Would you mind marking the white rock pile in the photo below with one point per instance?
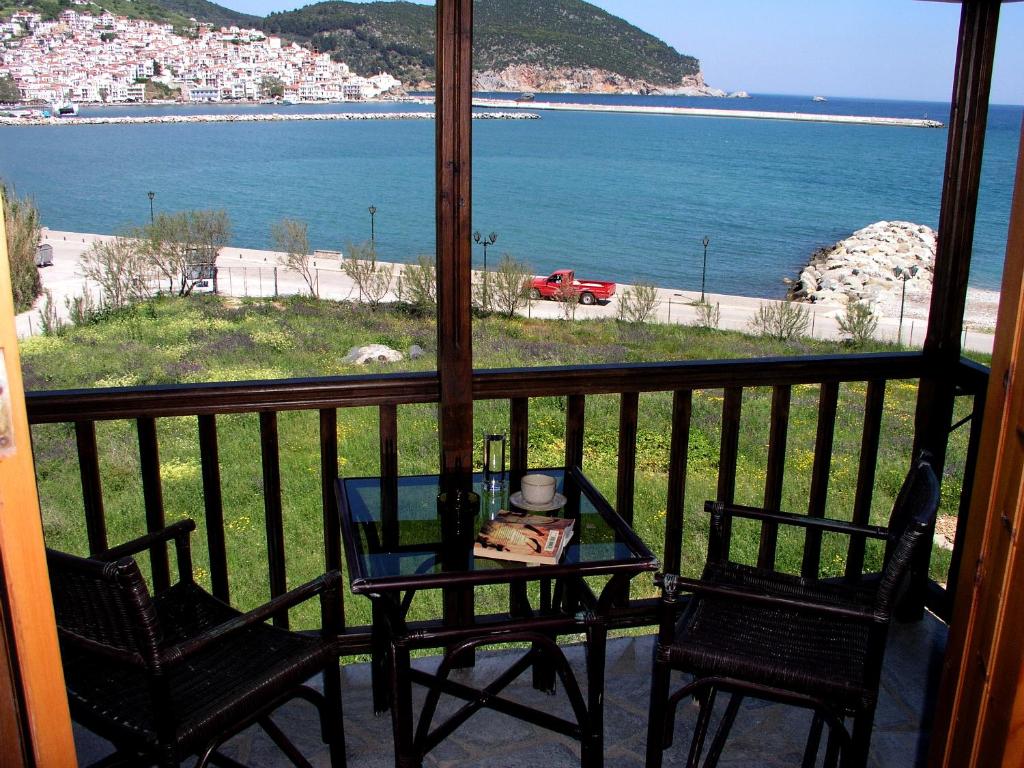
(870, 266)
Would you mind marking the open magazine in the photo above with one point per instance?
(525, 538)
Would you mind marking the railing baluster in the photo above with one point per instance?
(153, 498)
(874, 402)
(626, 482)
(732, 406)
(269, 447)
(328, 475)
(678, 455)
(388, 428)
(92, 489)
(575, 418)
(213, 503)
(775, 472)
(827, 404)
(388, 417)
(519, 435)
(945, 609)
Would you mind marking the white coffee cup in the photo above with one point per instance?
(538, 489)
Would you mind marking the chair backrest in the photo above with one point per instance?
(104, 607)
(910, 522)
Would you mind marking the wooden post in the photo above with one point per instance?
(35, 727)
(453, 107)
(453, 104)
(967, 122)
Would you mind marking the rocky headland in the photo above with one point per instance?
(526, 77)
(871, 266)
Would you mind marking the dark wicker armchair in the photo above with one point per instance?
(180, 672)
(817, 644)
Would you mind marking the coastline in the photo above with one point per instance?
(254, 272)
(255, 117)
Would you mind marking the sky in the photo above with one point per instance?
(892, 49)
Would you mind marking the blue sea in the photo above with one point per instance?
(617, 196)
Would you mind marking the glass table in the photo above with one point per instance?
(396, 544)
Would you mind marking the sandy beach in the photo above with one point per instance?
(250, 272)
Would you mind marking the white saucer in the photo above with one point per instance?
(556, 503)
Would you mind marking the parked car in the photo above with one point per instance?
(563, 284)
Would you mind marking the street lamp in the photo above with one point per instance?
(704, 271)
(903, 298)
(373, 237)
(485, 242)
(151, 195)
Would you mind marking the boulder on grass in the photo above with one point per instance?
(372, 353)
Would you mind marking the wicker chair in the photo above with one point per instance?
(810, 643)
(180, 672)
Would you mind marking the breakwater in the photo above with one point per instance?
(253, 118)
(803, 117)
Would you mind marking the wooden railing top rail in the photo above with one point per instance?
(422, 387)
(693, 374)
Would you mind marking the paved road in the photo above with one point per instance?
(249, 272)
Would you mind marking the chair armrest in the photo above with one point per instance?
(179, 531)
(672, 585)
(323, 585)
(720, 510)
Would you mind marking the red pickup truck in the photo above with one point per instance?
(563, 284)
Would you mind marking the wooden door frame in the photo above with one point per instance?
(34, 719)
(979, 719)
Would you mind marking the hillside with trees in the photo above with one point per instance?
(398, 37)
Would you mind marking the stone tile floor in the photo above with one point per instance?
(765, 734)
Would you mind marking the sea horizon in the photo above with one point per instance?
(616, 196)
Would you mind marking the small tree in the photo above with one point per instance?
(372, 281)
(271, 87)
(510, 289)
(292, 237)
(378, 284)
(22, 222)
(782, 320)
(419, 283)
(568, 299)
(9, 93)
(182, 246)
(859, 323)
(118, 267)
(637, 304)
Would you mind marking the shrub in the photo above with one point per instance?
(782, 320)
(859, 323)
(377, 285)
(360, 265)
(82, 310)
(638, 303)
(511, 285)
(22, 222)
(419, 283)
(49, 318)
(482, 295)
(708, 315)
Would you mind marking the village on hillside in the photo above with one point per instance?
(111, 59)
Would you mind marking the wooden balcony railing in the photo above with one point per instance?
(390, 393)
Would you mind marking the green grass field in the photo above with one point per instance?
(213, 339)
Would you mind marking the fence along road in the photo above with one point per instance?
(250, 272)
